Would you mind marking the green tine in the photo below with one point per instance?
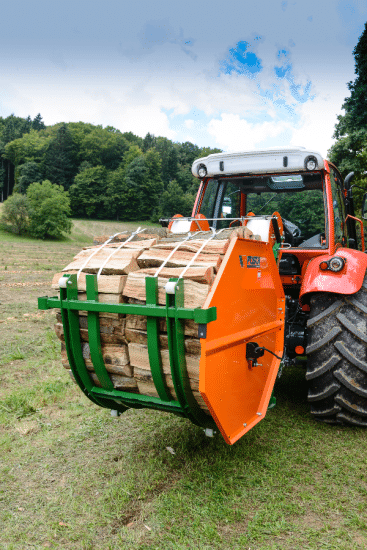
(151, 286)
(70, 319)
(178, 366)
(95, 336)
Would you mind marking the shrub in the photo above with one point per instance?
(15, 214)
(49, 210)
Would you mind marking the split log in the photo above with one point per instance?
(195, 294)
(139, 358)
(198, 274)
(192, 345)
(104, 299)
(121, 263)
(112, 331)
(211, 247)
(136, 245)
(107, 284)
(122, 383)
(156, 256)
(116, 359)
(153, 233)
(146, 386)
(139, 322)
(243, 233)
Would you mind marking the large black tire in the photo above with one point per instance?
(337, 357)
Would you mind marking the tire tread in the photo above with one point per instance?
(337, 358)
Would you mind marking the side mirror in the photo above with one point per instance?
(364, 207)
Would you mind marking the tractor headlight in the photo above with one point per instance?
(310, 163)
(336, 263)
(202, 171)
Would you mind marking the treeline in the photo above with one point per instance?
(349, 152)
(109, 174)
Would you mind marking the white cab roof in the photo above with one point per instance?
(285, 159)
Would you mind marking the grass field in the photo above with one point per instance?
(72, 477)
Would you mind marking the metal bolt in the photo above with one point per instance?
(70, 283)
(258, 414)
(245, 425)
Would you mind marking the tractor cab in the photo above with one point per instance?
(307, 196)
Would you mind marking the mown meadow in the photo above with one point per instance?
(73, 477)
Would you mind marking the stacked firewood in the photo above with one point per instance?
(122, 272)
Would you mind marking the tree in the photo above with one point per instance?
(88, 192)
(349, 152)
(15, 214)
(356, 105)
(12, 128)
(149, 142)
(175, 201)
(153, 185)
(132, 139)
(116, 200)
(185, 178)
(169, 158)
(37, 123)
(132, 152)
(29, 172)
(61, 158)
(188, 152)
(49, 210)
(135, 182)
(104, 147)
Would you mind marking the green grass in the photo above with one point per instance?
(72, 477)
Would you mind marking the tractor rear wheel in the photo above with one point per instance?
(337, 357)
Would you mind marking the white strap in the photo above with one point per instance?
(171, 254)
(199, 251)
(96, 250)
(139, 230)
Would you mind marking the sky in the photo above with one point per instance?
(238, 76)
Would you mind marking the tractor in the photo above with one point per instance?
(291, 289)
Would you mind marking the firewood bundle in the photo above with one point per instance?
(123, 268)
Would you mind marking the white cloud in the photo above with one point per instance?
(233, 133)
(189, 123)
(318, 119)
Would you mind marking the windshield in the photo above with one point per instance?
(298, 199)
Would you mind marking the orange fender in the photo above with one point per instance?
(347, 281)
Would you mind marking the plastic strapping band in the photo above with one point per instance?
(171, 254)
(139, 230)
(97, 250)
(215, 233)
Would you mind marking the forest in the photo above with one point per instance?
(108, 174)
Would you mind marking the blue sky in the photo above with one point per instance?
(239, 77)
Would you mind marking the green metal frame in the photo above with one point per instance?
(175, 314)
